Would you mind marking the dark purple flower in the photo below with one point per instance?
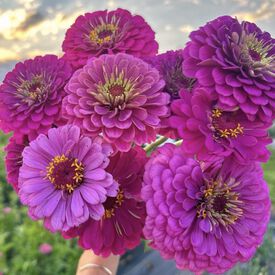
(169, 65)
(237, 60)
(63, 179)
(118, 95)
(205, 220)
(31, 95)
(104, 32)
(123, 221)
(208, 130)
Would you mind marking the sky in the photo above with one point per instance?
(37, 27)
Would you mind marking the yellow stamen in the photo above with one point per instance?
(95, 33)
(216, 113)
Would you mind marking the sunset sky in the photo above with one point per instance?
(36, 27)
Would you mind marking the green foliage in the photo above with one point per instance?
(269, 174)
(20, 238)
(272, 131)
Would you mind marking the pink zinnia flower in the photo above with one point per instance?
(63, 179)
(104, 32)
(118, 95)
(13, 160)
(169, 65)
(208, 130)
(238, 60)
(204, 220)
(31, 95)
(7, 210)
(45, 248)
(121, 226)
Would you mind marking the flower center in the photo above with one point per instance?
(220, 203)
(103, 33)
(65, 173)
(111, 203)
(224, 124)
(256, 56)
(116, 90)
(32, 90)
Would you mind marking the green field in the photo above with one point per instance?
(20, 238)
(269, 174)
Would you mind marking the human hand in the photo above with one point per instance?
(91, 264)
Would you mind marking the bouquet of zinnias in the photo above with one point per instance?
(84, 154)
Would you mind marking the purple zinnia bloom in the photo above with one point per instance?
(104, 32)
(63, 179)
(45, 249)
(238, 61)
(118, 95)
(206, 129)
(123, 221)
(31, 95)
(169, 65)
(205, 220)
(13, 160)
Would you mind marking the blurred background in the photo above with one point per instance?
(37, 27)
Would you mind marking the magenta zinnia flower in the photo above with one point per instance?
(118, 95)
(121, 227)
(169, 65)
(205, 220)
(63, 179)
(208, 130)
(31, 95)
(104, 32)
(238, 60)
(13, 160)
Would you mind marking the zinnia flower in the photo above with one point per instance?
(118, 95)
(63, 179)
(13, 160)
(169, 65)
(104, 32)
(45, 249)
(31, 95)
(123, 221)
(205, 220)
(238, 60)
(208, 130)
(7, 210)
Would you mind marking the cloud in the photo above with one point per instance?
(31, 20)
(186, 29)
(264, 12)
(10, 21)
(242, 3)
(28, 4)
(7, 55)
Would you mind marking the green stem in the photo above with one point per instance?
(155, 144)
(178, 143)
